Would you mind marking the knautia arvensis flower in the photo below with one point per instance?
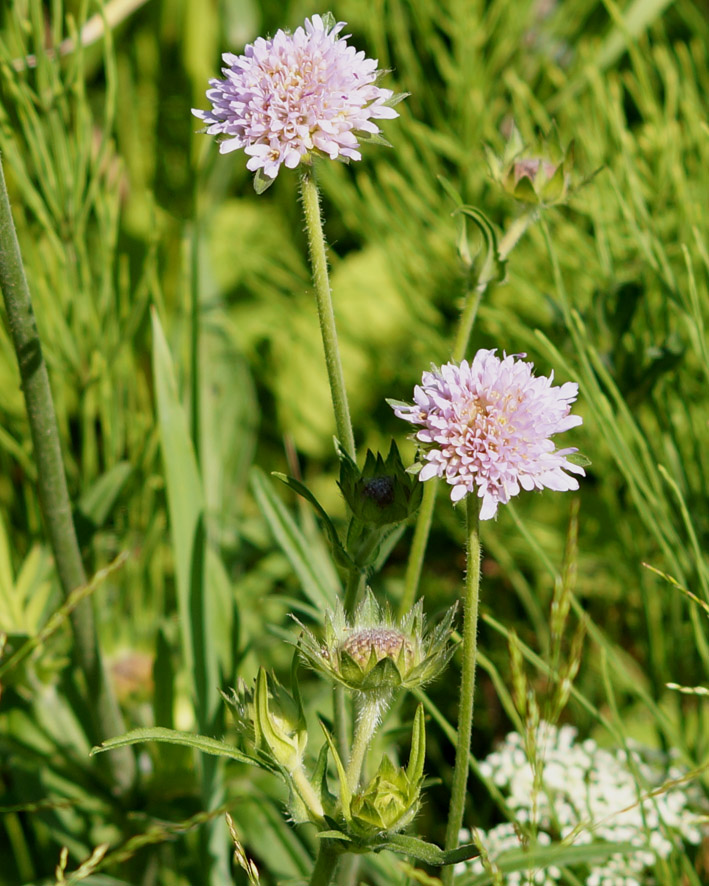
(373, 653)
(296, 95)
(487, 428)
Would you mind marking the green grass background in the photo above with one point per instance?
(173, 425)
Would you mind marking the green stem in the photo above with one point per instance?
(414, 565)
(467, 686)
(466, 323)
(323, 295)
(368, 717)
(515, 231)
(355, 583)
(325, 865)
(341, 720)
(52, 488)
(306, 791)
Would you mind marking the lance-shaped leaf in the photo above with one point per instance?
(417, 756)
(345, 792)
(171, 736)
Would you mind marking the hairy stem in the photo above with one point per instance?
(467, 686)
(323, 295)
(368, 717)
(52, 489)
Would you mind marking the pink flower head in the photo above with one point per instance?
(488, 424)
(296, 94)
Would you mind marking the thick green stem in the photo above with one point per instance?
(318, 259)
(52, 488)
(467, 686)
(325, 865)
(368, 717)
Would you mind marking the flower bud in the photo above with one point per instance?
(373, 653)
(539, 174)
(391, 799)
(271, 721)
(382, 492)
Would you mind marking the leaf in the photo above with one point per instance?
(417, 756)
(185, 500)
(171, 736)
(429, 853)
(332, 535)
(333, 835)
(493, 269)
(97, 502)
(345, 792)
(291, 541)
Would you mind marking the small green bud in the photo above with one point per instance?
(539, 174)
(372, 652)
(390, 801)
(271, 721)
(387, 804)
(381, 493)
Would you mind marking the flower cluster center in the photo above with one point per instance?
(386, 643)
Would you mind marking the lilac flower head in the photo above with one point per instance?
(294, 95)
(488, 424)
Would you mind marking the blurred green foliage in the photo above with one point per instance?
(121, 207)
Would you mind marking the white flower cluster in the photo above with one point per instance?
(601, 792)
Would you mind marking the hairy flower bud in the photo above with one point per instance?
(373, 653)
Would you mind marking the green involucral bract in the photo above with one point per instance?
(374, 653)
